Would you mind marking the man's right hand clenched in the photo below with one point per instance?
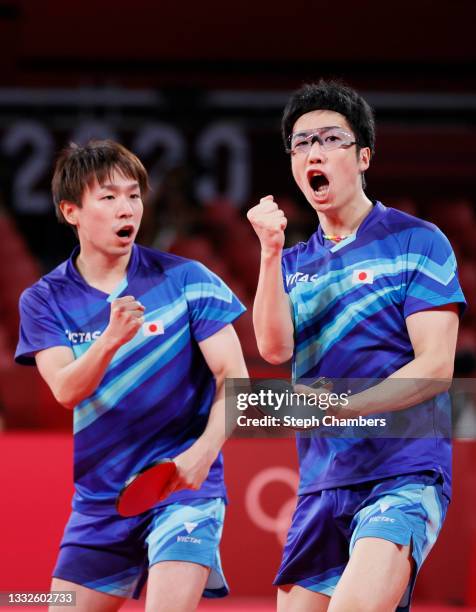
(269, 223)
(125, 321)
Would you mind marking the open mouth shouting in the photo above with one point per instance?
(319, 184)
(125, 233)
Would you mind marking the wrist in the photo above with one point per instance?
(271, 253)
(208, 448)
(108, 342)
(353, 408)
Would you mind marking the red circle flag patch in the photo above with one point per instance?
(153, 328)
(362, 277)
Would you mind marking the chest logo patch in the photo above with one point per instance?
(362, 277)
(153, 328)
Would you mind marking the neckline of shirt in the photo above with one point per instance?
(76, 275)
(374, 216)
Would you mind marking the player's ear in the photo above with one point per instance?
(364, 159)
(69, 211)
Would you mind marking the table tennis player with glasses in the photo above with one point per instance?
(372, 294)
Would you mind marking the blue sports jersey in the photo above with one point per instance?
(349, 303)
(155, 398)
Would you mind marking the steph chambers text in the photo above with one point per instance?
(309, 422)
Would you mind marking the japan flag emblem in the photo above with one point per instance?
(362, 277)
(153, 328)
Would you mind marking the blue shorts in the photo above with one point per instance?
(325, 526)
(112, 554)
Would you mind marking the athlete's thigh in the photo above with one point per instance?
(104, 553)
(317, 544)
(188, 533)
(392, 533)
(175, 585)
(87, 600)
(294, 598)
(375, 578)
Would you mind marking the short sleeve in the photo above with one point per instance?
(39, 328)
(431, 274)
(285, 274)
(211, 303)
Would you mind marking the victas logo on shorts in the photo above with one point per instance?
(189, 527)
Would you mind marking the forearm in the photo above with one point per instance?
(79, 379)
(214, 435)
(212, 439)
(419, 380)
(272, 320)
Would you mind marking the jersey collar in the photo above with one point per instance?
(74, 274)
(374, 216)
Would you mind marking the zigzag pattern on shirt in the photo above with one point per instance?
(108, 396)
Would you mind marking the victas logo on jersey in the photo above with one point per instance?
(300, 277)
(80, 337)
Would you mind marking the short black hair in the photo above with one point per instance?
(77, 166)
(334, 96)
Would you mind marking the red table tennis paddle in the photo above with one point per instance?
(145, 488)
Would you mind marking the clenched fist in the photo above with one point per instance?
(269, 223)
(125, 320)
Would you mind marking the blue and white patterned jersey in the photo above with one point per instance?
(155, 397)
(349, 303)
